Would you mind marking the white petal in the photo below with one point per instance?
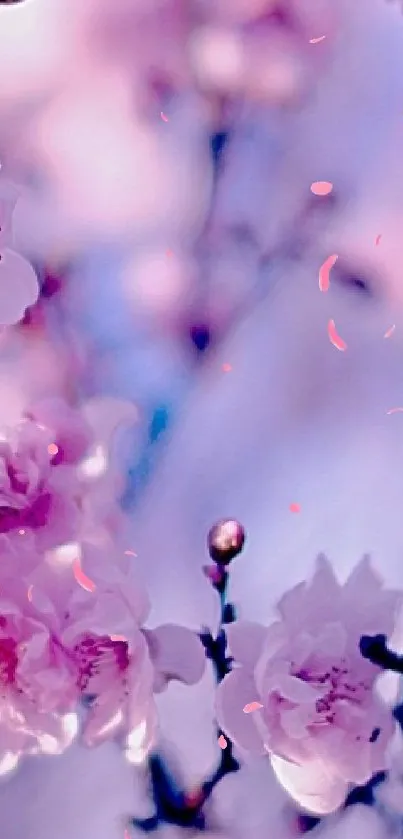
(295, 721)
(310, 785)
(177, 653)
(291, 606)
(332, 641)
(237, 690)
(245, 641)
(18, 287)
(363, 580)
(292, 688)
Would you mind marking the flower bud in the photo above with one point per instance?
(225, 541)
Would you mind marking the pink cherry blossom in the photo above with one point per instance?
(321, 722)
(118, 663)
(36, 495)
(37, 682)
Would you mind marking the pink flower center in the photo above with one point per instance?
(342, 686)
(8, 660)
(100, 658)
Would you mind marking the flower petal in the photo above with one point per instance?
(310, 785)
(292, 688)
(290, 605)
(234, 692)
(177, 653)
(323, 595)
(103, 721)
(245, 641)
(363, 581)
(19, 287)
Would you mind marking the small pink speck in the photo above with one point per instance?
(395, 411)
(226, 368)
(252, 706)
(317, 40)
(378, 238)
(130, 553)
(165, 118)
(30, 593)
(21, 532)
(390, 331)
(295, 508)
(321, 187)
(169, 252)
(53, 449)
(222, 742)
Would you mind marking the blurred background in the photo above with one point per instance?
(158, 169)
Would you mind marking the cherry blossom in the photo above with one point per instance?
(37, 682)
(99, 617)
(36, 495)
(322, 723)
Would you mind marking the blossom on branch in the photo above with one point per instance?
(321, 721)
(99, 619)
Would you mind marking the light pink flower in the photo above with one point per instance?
(98, 614)
(37, 496)
(321, 722)
(37, 681)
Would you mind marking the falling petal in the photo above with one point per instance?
(395, 411)
(81, 578)
(295, 508)
(165, 118)
(226, 368)
(317, 40)
(335, 338)
(252, 706)
(30, 593)
(321, 187)
(324, 272)
(390, 331)
(130, 553)
(378, 238)
(222, 742)
(53, 449)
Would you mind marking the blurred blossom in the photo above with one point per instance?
(159, 283)
(32, 49)
(18, 287)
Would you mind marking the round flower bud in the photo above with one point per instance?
(225, 541)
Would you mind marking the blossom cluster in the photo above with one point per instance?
(75, 651)
(72, 614)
